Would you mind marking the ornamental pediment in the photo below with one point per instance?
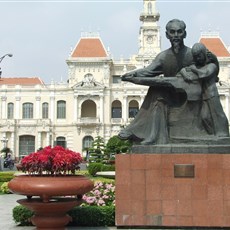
(88, 82)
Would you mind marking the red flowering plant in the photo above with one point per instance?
(51, 161)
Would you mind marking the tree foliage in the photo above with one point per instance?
(5, 151)
(116, 145)
(97, 151)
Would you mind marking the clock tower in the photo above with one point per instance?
(149, 34)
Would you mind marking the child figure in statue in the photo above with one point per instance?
(206, 70)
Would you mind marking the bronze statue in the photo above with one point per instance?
(172, 107)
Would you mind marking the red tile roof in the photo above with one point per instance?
(88, 48)
(21, 81)
(215, 45)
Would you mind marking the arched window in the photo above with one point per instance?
(61, 141)
(27, 110)
(87, 142)
(116, 109)
(61, 109)
(45, 110)
(10, 111)
(26, 145)
(133, 108)
(88, 109)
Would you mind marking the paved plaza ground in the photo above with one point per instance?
(9, 201)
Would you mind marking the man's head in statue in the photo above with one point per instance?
(199, 53)
(176, 32)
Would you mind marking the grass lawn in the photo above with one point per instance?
(95, 178)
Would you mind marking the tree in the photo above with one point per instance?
(116, 145)
(97, 151)
(6, 150)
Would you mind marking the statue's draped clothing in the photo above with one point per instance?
(151, 123)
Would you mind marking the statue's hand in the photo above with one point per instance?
(185, 74)
(194, 69)
(128, 76)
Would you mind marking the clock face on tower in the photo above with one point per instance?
(150, 39)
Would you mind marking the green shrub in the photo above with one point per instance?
(90, 216)
(108, 215)
(4, 188)
(93, 168)
(93, 216)
(107, 168)
(6, 176)
(22, 215)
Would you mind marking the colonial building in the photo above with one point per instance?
(94, 101)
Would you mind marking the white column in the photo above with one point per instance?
(12, 145)
(37, 108)
(39, 141)
(48, 139)
(101, 109)
(17, 111)
(52, 108)
(79, 110)
(75, 108)
(4, 140)
(4, 107)
(142, 100)
(125, 109)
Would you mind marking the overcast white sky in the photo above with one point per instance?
(40, 34)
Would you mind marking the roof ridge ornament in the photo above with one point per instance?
(90, 34)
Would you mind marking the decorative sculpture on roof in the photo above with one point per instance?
(88, 81)
(183, 104)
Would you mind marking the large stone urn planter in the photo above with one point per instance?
(50, 197)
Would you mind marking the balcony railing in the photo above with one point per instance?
(33, 122)
(89, 120)
(116, 120)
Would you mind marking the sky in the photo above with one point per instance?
(41, 34)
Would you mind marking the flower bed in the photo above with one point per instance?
(103, 194)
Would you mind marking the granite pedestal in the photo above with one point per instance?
(173, 186)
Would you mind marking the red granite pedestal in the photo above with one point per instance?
(149, 191)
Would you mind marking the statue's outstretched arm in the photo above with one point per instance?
(152, 70)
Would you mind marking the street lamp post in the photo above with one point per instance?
(1, 58)
(4, 140)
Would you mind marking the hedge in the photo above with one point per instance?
(95, 167)
(6, 176)
(90, 216)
